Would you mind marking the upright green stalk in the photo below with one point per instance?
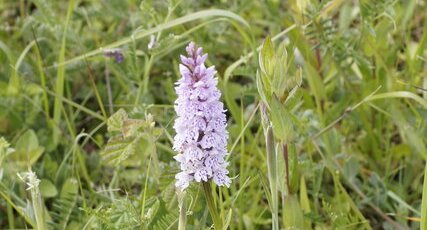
(60, 79)
(272, 176)
(31, 180)
(10, 217)
(182, 210)
(423, 224)
(211, 205)
(38, 208)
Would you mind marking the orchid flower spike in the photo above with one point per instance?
(201, 135)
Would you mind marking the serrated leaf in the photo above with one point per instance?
(167, 221)
(115, 122)
(119, 149)
(64, 206)
(151, 211)
(130, 127)
(131, 133)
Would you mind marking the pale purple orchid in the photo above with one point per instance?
(201, 135)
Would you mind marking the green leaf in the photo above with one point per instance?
(64, 206)
(47, 188)
(119, 149)
(266, 57)
(292, 213)
(423, 224)
(282, 121)
(115, 122)
(4, 149)
(167, 25)
(70, 187)
(133, 134)
(228, 219)
(315, 83)
(281, 74)
(27, 148)
(131, 126)
(261, 88)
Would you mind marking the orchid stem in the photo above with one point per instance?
(211, 205)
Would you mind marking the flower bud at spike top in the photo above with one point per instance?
(201, 135)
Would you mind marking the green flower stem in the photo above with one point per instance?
(182, 210)
(211, 205)
(38, 209)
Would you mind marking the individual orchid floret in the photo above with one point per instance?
(201, 135)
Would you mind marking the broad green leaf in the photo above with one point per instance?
(292, 213)
(266, 57)
(281, 73)
(70, 187)
(47, 188)
(28, 149)
(282, 121)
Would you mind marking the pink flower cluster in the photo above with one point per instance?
(201, 135)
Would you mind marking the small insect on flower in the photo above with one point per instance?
(117, 54)
(201, 135)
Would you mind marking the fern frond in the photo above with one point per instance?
(65, 206)
(168, 221)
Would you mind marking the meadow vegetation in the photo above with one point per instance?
(326, 113)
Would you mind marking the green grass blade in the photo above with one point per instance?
(59, 86)
(423, 224)
(141, 34)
